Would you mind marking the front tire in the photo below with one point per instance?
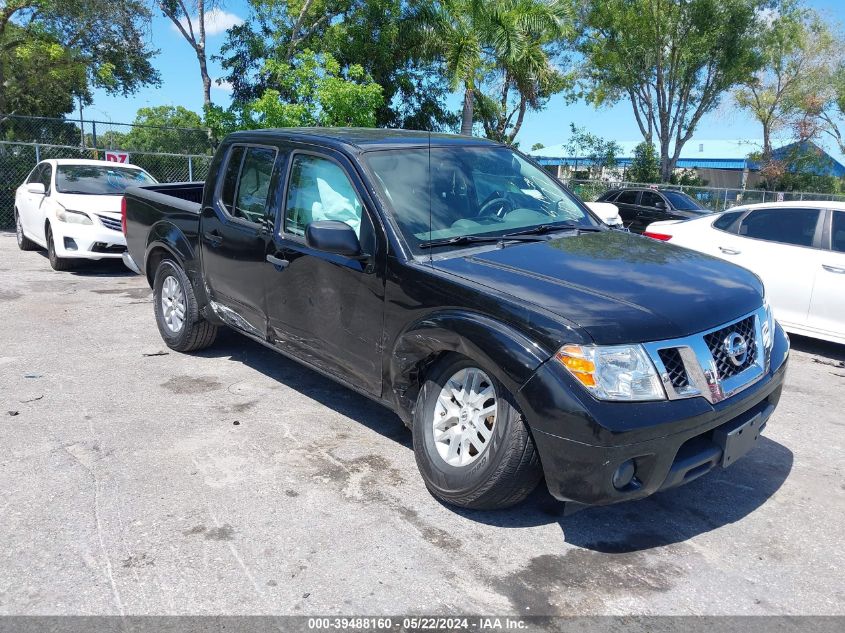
(471, 443)
(177, 313)
(24, 243)
(56, 262)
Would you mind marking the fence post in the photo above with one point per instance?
(725, 206)
(94, 133)
(37, 153)
(190, 169)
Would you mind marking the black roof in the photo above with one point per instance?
(362, 138)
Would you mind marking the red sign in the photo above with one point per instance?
(116, 156)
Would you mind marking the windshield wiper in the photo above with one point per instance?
(473, 239)
(542, 229)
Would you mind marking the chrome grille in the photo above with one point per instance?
(708, 364)
(725, 367)
(671, 358)
(110, 223)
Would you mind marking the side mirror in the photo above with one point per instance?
(660, 204)
(36, 188)
(333, 236)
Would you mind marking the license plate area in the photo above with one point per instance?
(738, 438)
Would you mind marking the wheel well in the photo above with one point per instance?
(153, 260)
(417, 376)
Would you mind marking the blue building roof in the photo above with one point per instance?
(700, 153)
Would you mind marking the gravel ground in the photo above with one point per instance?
(140, 481)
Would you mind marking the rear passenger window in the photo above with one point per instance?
(837, 232)
(726, 220)
(651, 199)
(319, 189)
(785, 226)
(627, 197)
(246, 182)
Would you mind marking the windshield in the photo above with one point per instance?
(99, 180)
(683, 202)
(448, 192)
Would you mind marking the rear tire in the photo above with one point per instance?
(494, 463)
(24, 243)
(57, 263)
(177, 313)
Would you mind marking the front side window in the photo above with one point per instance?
(46, 176)
(447, 192)
(682, 202)
(837, 232)
(246, 182)
(785, 226)
(319, 189)
(97, 180)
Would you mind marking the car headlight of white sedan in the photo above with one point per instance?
(73, 217)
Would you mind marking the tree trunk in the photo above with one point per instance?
(206, 80)
(466, 121)
(767, 143)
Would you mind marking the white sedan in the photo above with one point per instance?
(796, 248)
(72, 208)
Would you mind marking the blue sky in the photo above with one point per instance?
(181, 85)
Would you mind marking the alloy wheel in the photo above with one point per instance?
(173, 304)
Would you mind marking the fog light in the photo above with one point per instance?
(624, 475)
(70, 244)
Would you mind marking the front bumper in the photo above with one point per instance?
(582, 441)
(87, 241)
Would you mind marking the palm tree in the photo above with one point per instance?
(475, 37)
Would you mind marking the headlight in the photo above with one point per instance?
(618, 372)
(73, 217)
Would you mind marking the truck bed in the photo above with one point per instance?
(156, 209)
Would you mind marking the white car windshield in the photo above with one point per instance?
(99, 180)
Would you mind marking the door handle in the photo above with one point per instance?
(213, 238)
(729, 251)
(834, 269)
(280, 264)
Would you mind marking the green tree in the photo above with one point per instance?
(537, 146)
(506, 41)
(672, 60)
(797, 49)
(373, 34)
(596, 152)
(645, 166)
(53, 51)
(171, 129)
(317, 92)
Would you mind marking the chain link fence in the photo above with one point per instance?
(714, 198)
(169, 154)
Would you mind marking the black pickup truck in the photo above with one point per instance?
(453, 280)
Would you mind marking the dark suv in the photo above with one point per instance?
(639, 207)
(456, 282)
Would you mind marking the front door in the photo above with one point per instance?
(326, 308)
(33, 212)
(235, 229)
(827, 306)
(652, 209)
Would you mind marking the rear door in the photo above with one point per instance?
(326, 308)
(627, 202)
(827, 306)
(652, 209)
(781, 245)
(235, 230)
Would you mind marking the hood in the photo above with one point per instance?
(91, 204)
(620, 288)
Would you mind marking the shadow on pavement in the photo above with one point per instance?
(309, 383)
(95, 268)
(823, 349)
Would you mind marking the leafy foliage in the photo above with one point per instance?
(170, 129)
(313, 90)
(645, 166)
(52, 51)
(672, 60)
(596, 151)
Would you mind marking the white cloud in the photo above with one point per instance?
(217, 21)
(222, 85)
